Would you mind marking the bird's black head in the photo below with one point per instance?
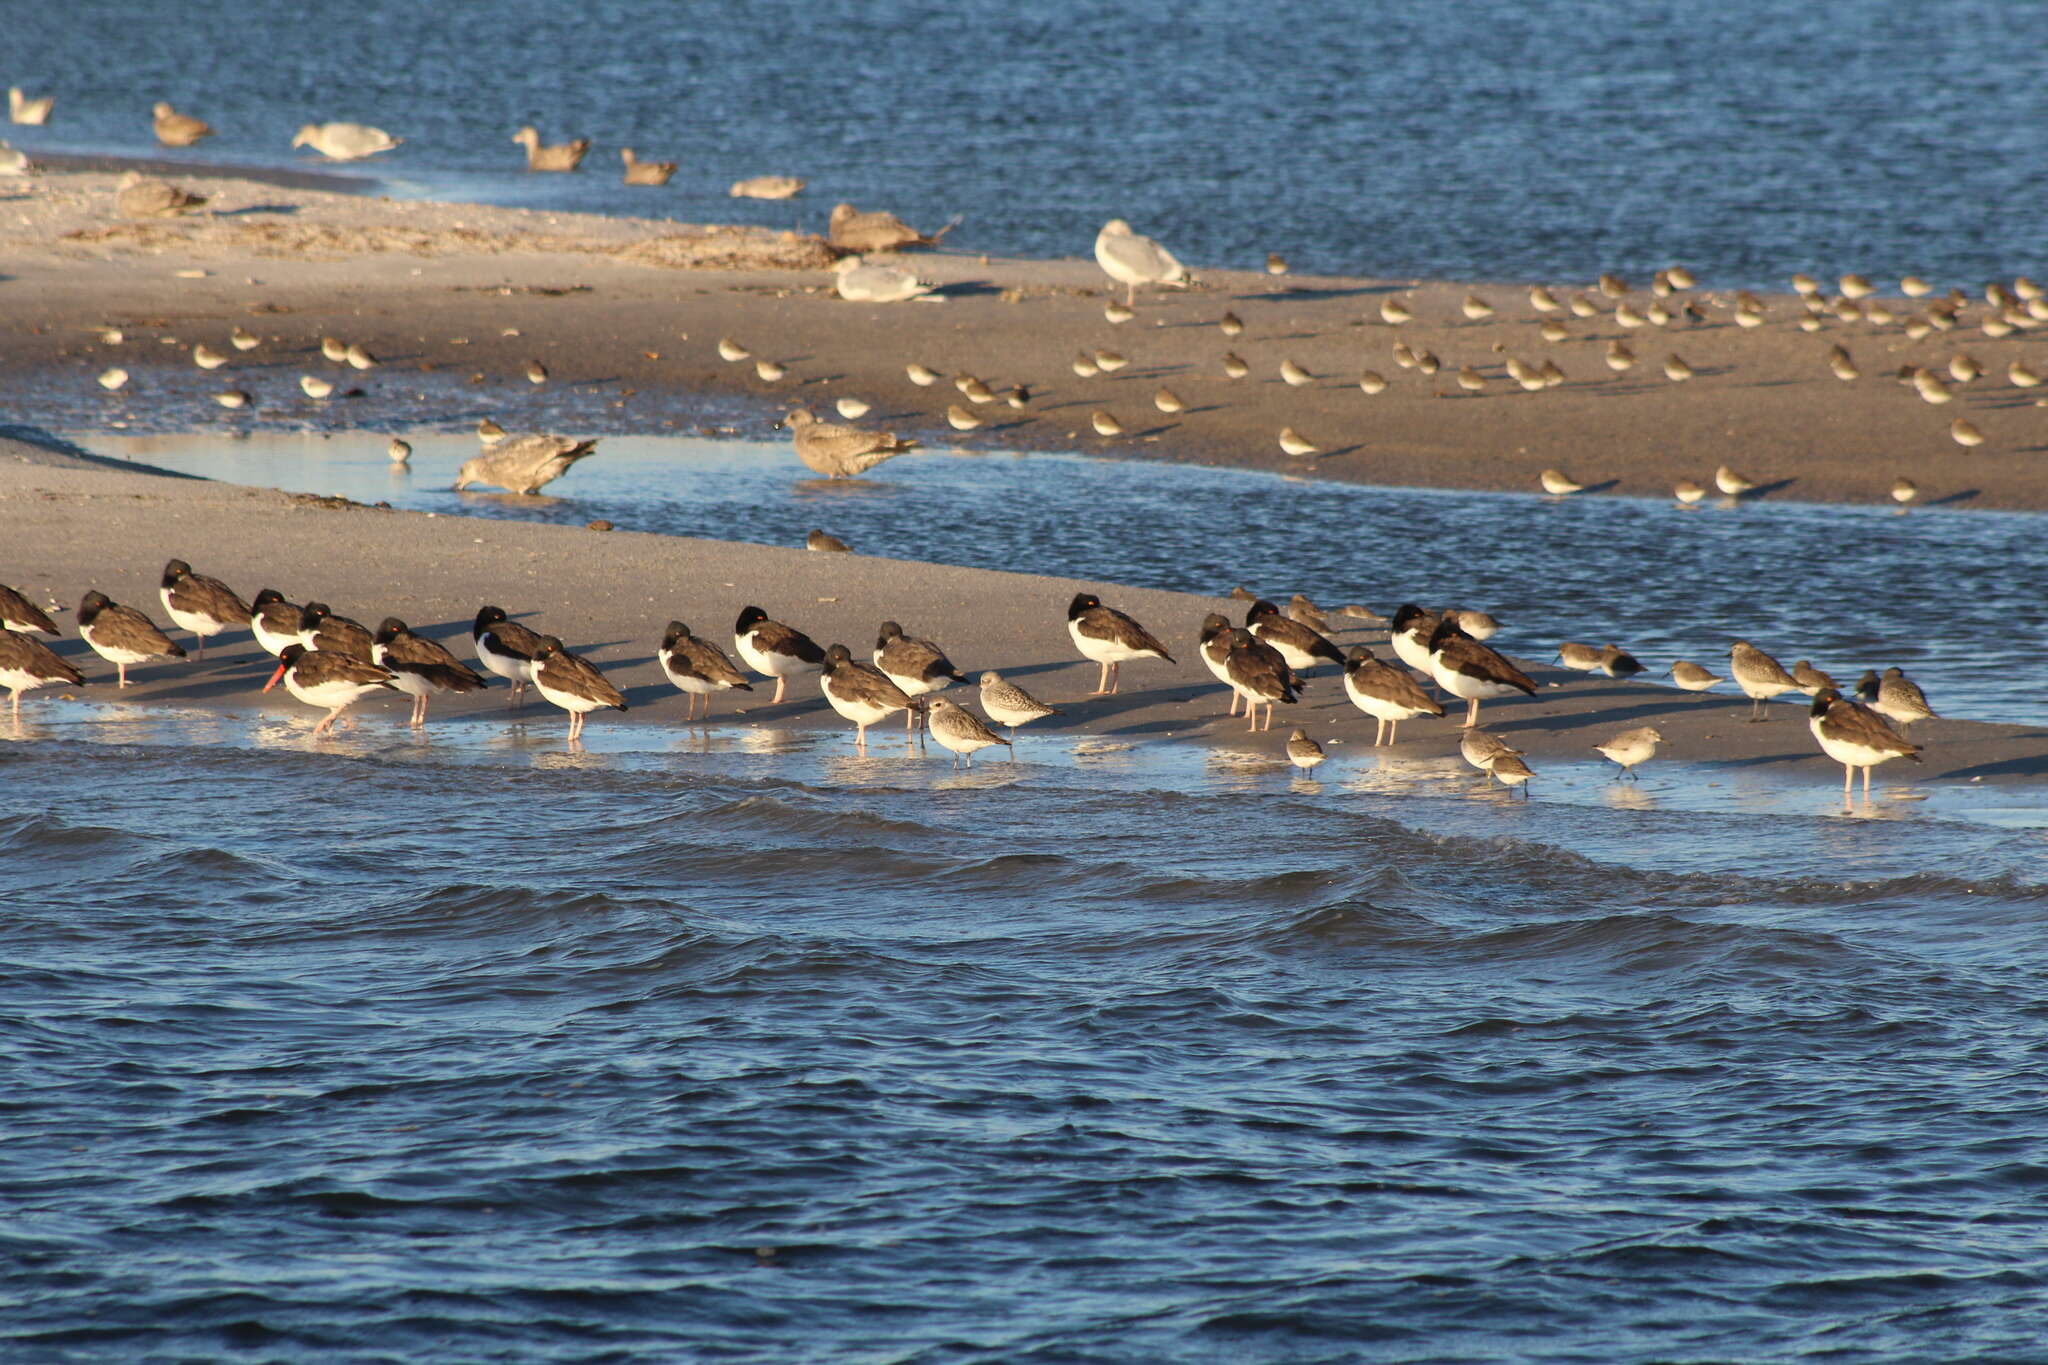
(836, 655)
(175, 570)
(1359, 654)
(889, 631)
(549, 648)
(486, 617)
(677, 632)
(1212, 625)
(1259, 611)
(749, 618)
(1083, 602)
(313, 613)
(266, 597)
(92, 604)
(390, 629)
(1407, 616)
(291, 654)
(1823, 699)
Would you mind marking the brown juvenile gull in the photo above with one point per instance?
(768, 187)
(1132, 259)
(523, 464)
(851, 230)
(841, 452)
(640, 172)
(144, 196)
(561, 156)
(174, 129)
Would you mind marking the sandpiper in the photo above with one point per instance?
(1559, 484)
(1395, 311)
(1167, 401)
(1230, 324)
(1388, 694)
(1543, 301)
(1009, 705)
(314, 386)
(1372, 381)
(1811, 680)
(113, 378)
(1477, 624)
(1692, 677)
(851, 408)
(1482, 748)
(359, 358)
(1105, 423)
(536, 373)
(697, 667)
(773, 649)
(1688, 492)
(205, 606)
(1758, 675)
(1470, 379)
(1234, 366)
(1732, 483)
(1617, 662)
(333, 682)
(1631, 747)
(1293, 442)
(768, 371)
(1619, 357)
(959, 730)
(1675, 368)
(399, 451)
(1843, 364)
(1579, 658)
(1109, 362)
(732, 351)
(960, 419)
(1475, 308)
(820, 542)
(1110, 638)
(1965, 433)
(1299, 608)
(573, 683)
(1855, 737)
(419, 667)
(1303, 752)
(122, 635)
(1895, 697)
(1511, 772)
(1294, 375)
(206, 358)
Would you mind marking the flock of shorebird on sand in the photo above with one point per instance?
(331, 662)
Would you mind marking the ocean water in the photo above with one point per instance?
(748, 1047)
(1939, 591)
(1549, 140)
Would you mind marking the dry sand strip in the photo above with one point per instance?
(635, 308)
(69, 524)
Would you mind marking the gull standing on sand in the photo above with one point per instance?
(333, 682)
(697, 668)
(205, 606)
(775, 650)
(841, 452)
(1758, 675)
(144, 196)
(1009, 705)
(862, 281)
(573, 683)
(1132, 259)
(345, 141)
(506, 648)
(27, 663)
(851, 230)
(524, 464)
(959, 730)
(640, 172)
(1109, 638)
(768, 187)
(122, 635)
(419, 667)
(1631, 747)
(562, 156)
(174, 129)
(1855, 737)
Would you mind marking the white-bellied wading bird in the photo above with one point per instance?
(333, 682)
(697, 667)
(841, 452)
(1758, 675)
(1109, 638)
(774, 650)
(1465, 668)
(1303, 752)
(122, 635)
(1132, 259)
(275, 622)
(205, 606)
(1855, 737)
(27, 663)
(1388, 694)
(345, 141)
(1692, 677)
(1009, 705)
(1895, 697)
(1631, 747)
(506, 648)
(419, 667)
(858, 692)
(917, 666)
(959, 730)
(573, 683)
(19, 614)
(524, 464)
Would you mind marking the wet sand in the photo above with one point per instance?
(632, 309)
(76, 522)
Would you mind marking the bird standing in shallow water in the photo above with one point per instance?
(1854, 737)
(841, 452)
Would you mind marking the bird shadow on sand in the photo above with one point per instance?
(1305, 293)
(1961, 495)
(248, 209)
(1764, 490)
(2035, 765)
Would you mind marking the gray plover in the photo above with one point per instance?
(1303, 752)
(959, 730)
(1811, 680)
(1109, 638)
(1692, 677)
(1631, 747)
(1758, 675)
(1009, 705)
(1855, 737)
(1895, 697)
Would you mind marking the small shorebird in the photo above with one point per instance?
(23, 108)
(841, 452)
(924, 376)
(334, 349)
(1617, 662)
(144, 196)
(1276, 264)
(767, 371)
(1965, 433)
(399, 451)
(1468, 669)
(1477, 624)
(1619, 357)
(861, 281)
(1732, 483)
(206, 358)
(1427, 362)
(1404, 355)
(1109, 362)
(1167, 401)
(1293, 442)
(1476, 309)
(1895, 697)
(1109, 638)
(359, 358)
(1913, 287)
(767, 187)
(1511, 772)
(959, 730)
(1843, 364)
(122, 635)
(1302, 646)
(242, 339)
(506, 648)
(19, 614)
(1234, 366)
(824, 543)
(1675, 368)
(419, 667)
(1084, 365)
(851, 408)
(1372, 381)
(573, 683)
(1855, 737)
(1299, 608)
(859, 693)
(638, 172)
(113, 378)
(1631, 747)
(1543, 301)
(1855, 287)
(1559, 484)
(960, 419)
(333, 682)
(2023, 375)
(1583, 306)
(1230, 324)
(1758, 675)
(1470, 380)
(1525, 374)
(560, 156)
(1303, 752)
(1613, 286)
(1482, 748)
(489, 434)
(733, 352)
(1811, 680)
(1688, 493)
(1964, 368)
(275, 622)
(1931, 387)
(1552, 330)
(1132, 259)
(1629, 317)
(1295, 376)
(914, 665)
(205, 606)
(536, 373)
(1388, 694)
(1394, 312)
(1105, 423)
(774, 650)
(27, 663)
(849, 229)
(524, 464)
(1009, 705)
(345, 141)
(174, 129)
(1116, 312)
(320, 629)
(1694, 678)
(1579, 658)
(314, 386)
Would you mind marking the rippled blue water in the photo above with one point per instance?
(1546, 140)
(1938, 592)
(761, 1050)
